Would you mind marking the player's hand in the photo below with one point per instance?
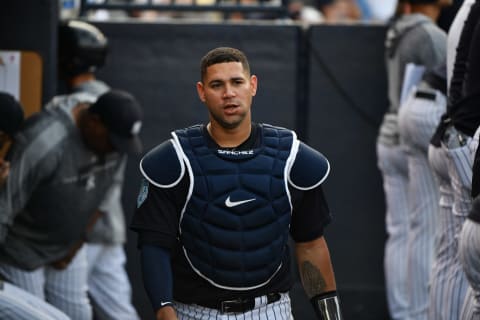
(4, 170)
(93, 219)
(166, 313)
(65, 261)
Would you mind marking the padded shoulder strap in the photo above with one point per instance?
(162, 166)
(309, 170)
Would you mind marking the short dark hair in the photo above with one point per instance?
(221, 55)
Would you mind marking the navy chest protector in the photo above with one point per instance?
(234, 227)
(235, 223)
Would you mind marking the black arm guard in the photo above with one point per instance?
(327, 306)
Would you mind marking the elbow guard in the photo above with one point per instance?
(327, 306)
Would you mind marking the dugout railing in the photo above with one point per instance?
(270, 8)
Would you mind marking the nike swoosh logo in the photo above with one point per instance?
(232, 204)
(164, 303)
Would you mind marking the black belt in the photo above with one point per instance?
(425, 95)
(239, 305)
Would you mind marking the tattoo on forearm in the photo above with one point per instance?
(313, 280)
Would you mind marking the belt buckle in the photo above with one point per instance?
(273, 297)
(454, 138)
(245, 304)
(226, 305)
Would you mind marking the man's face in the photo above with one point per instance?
(4, 165)
(4, 143)
(3, 139)
(227, 91)
(96, 136)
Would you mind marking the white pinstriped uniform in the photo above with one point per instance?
(411, 38)
(392, 162)
(445, 249)
(448, 284)
(111, 291)
(417, 121)
(108, 283)
(278, 310)
(469, 257)
(18, 304)
(47, 282)
(448, 281)
(460, 161)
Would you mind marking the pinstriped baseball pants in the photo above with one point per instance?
(445, 248)
(392, 162)
(108, 283)
(469, 256)
(449, 284)
(18, 304)
(460, 160)
(279, 310)
(443, 305)
(469, 252)
(64, 289)
(417, 121)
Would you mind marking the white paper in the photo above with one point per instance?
(411, 78)
(10, 72)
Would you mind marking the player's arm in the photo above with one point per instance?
(456, 92)
(158, 280)
(316, 274)
(156, 222)
(161, 198)
(4, 170)
(63, 262)
(114, 193)
(310, 216)
(166, 313)
(111, 199)
(110, 208)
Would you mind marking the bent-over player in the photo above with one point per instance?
(16, 303)
(63, 162)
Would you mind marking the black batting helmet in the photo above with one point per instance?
(81, 48)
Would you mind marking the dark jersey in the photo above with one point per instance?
(157, 219)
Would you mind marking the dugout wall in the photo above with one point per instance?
(327, 82)
(347, 100)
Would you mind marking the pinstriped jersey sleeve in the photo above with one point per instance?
(33, 158)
